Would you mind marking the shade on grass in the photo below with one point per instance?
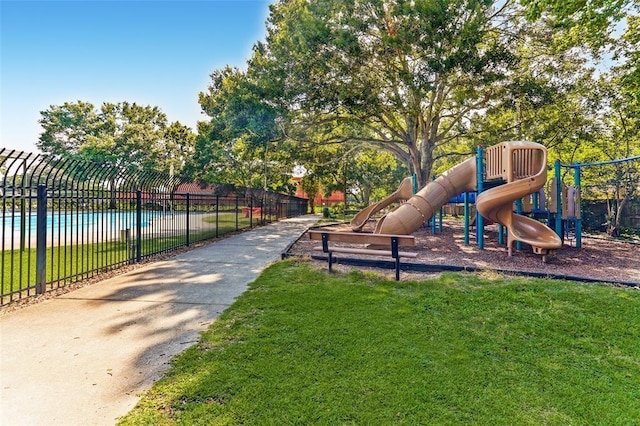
(78, 261)
(304, 347)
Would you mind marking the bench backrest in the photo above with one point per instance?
(361, 238)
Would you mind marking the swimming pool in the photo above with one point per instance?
(77, 219)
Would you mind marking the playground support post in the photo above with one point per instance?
(576, 181)
(466, 218)
(479, 187)
(535, 201)
(519, 210)
(558, 228)
(434, 217)
(433, 220)
(578, 219)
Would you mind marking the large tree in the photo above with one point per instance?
(117, 137)
(621, 118)
(589, 24)
(242, 143)
(123, 135)
(67, 127)
(409, 76)
(408, 72)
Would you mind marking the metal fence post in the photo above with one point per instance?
(41, 240)
(187, 219)
(217, 213)
(251, 212)
(138, 225)
(23, 213)
(236, 212)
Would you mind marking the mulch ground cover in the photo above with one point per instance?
(600, 258)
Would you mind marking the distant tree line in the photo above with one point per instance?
(118, 135)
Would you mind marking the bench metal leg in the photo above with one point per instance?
(397, 268)
(325, 248)
(396, 255)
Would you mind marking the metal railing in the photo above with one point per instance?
(65, 220)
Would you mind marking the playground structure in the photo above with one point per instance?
(512, 171)
(523, 166)
(566, 198)
(404, 192)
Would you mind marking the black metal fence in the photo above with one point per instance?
(65, 220)
(594, 215)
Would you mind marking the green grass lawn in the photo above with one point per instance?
(227, 221)
(18, 268)
(304, 347)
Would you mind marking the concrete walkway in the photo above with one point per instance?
(84, 357)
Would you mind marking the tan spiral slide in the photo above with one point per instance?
(524, 168)
(523, 165)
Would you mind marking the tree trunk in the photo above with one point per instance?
(425, 161)
(113, 205)
(426, 166)
(366, 196)
(615, 228)
(427, 134)
(312, 197)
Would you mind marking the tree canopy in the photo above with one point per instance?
(422, 79)
(242, 144)
(124, 135)
(335, 82)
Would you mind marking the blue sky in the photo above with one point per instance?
(157, 53)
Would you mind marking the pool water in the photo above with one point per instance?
(113, 219)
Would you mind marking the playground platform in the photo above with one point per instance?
(85, 357)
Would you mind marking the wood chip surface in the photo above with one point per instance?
(600, 258)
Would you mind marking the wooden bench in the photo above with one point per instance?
(378, 245)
